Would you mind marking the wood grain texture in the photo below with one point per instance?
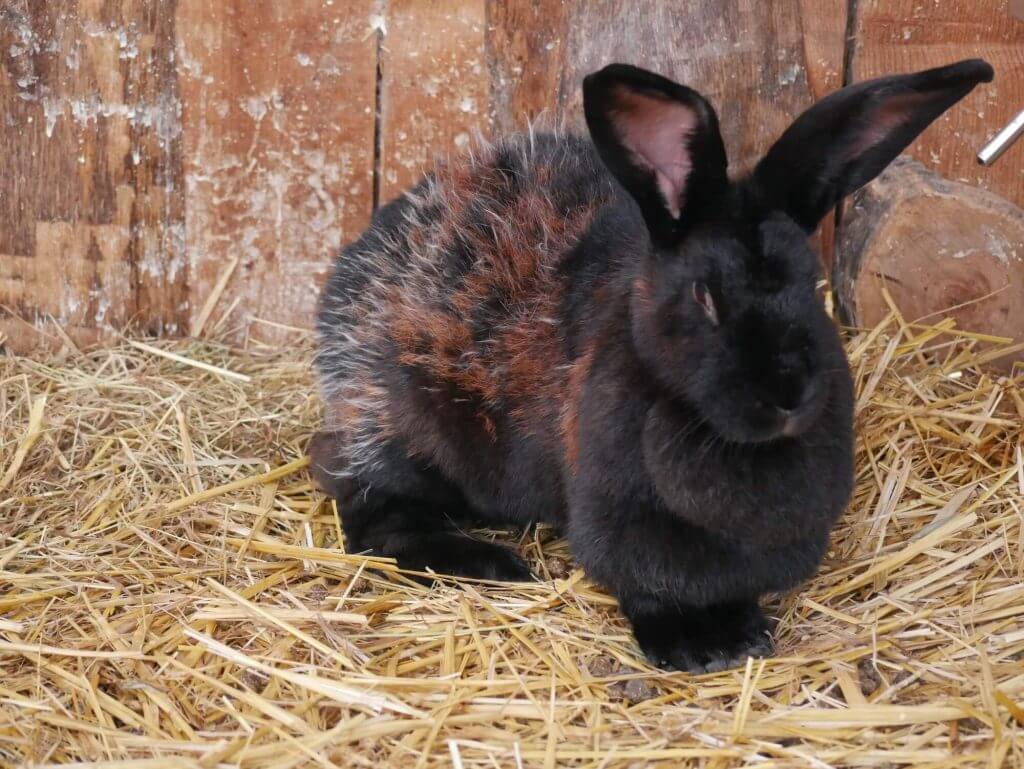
(148, 145)
(91, 214)
(747, 58)
(824, 26)
(526, 47)
(435, 85)
(277, 119)
(906, 35)
(760, 64)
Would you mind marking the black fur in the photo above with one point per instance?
(639, 357)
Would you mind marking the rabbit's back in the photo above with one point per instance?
(443, 326)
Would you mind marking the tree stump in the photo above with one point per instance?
(941, 248)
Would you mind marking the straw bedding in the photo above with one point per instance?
(173, 592)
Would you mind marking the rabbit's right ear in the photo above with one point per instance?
(848, 138)
(661, 141)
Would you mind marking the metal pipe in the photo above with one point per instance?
(1002, 140)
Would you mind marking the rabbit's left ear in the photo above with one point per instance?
(661, 141)
(848, 138)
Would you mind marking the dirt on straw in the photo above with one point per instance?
(174, 592)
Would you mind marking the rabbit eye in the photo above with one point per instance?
(702, 296)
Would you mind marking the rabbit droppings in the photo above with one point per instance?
(611, 336)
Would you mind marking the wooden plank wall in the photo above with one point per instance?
(162, 154)
(900, 35)
(91, 193)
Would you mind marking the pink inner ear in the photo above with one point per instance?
(657, 130)
(887, 118)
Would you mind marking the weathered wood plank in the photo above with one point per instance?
(526, 50)
(278, 120)
(760, 63)
(90, 201)
(824, 35)
(715, 47)
(906, 35)
(264, 113)
(747, 58)
(824, 25)
(435, 85)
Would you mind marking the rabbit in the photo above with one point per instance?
(610, 335)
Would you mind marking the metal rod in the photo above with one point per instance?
(1002, 140)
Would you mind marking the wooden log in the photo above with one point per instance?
(939, 247)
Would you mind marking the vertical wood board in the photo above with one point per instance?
(91, 200)
(277, 118)
(906, 35)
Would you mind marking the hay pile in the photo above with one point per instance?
(173, 593)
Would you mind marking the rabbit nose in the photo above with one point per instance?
(792, 420)
(795, 417)
(791, 425)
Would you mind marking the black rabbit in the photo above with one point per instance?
(612, 336)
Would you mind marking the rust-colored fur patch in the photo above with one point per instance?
(462, 281)
(571, 410)
(511, 292)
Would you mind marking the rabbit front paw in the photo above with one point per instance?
(703, 639)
